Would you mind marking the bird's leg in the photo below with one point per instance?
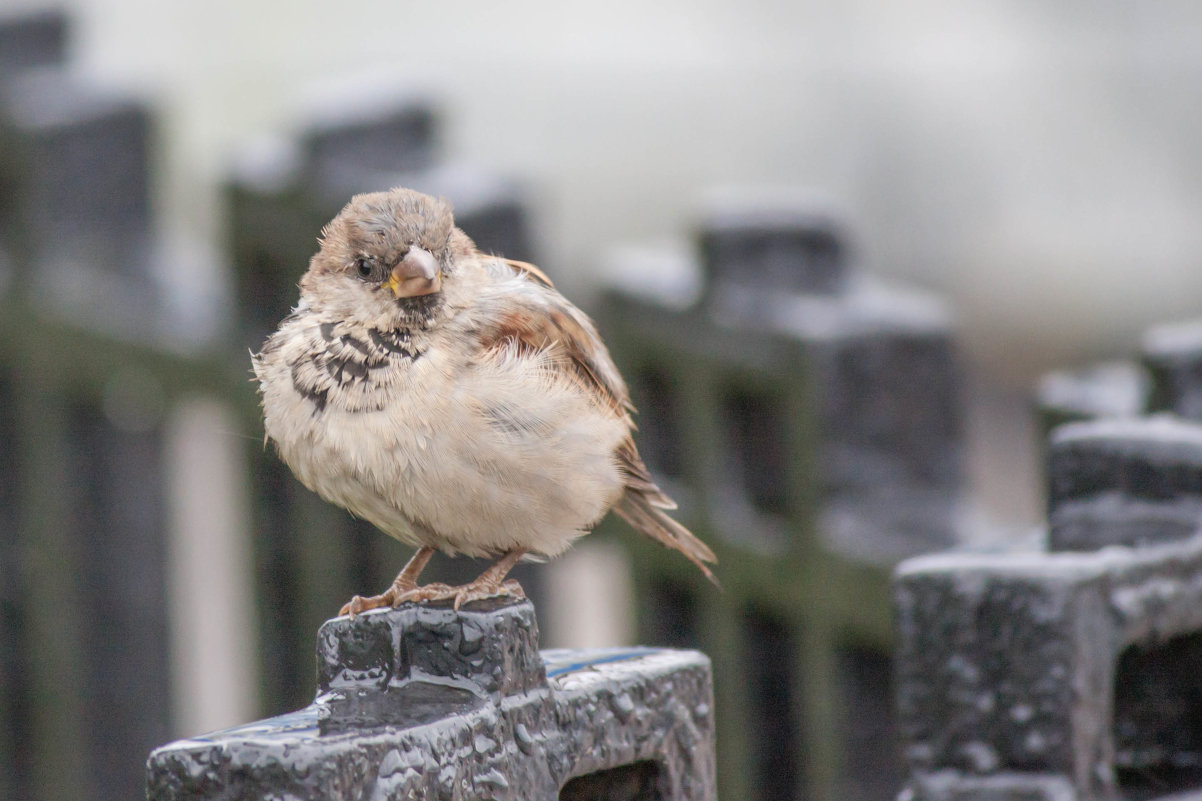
(492, 581)
(489, 584)
(405, 582)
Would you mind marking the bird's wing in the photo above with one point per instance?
(538, 319)
(530, 270)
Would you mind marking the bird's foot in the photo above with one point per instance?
(394, 596)
(477, 590)
(360, 604)
(489, 584)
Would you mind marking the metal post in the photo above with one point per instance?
(425, 702)
(1069, 673)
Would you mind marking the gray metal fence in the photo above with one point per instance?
(426, 702)
(1068, 672)
(86, 382)
(807, 418)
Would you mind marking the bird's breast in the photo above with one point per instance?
(356, 370)
(481, 450)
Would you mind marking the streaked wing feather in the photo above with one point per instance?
(543, 321)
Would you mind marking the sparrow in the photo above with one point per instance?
(454, 399)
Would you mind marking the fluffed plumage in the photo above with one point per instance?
(453, 399)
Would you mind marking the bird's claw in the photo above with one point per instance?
(360, 604)
(490, 584)
(427, 592)
(394, 596)
(472, 592)
(432, 592)
(475, 591)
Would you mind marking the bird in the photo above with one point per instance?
(454, 399)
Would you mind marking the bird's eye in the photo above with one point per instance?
(363, 266)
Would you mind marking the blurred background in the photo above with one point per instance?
(166, 167)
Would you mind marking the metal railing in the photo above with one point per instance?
(1068, 672)
(426, 702)
(806, 417)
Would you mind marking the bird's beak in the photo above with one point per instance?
(416, 274)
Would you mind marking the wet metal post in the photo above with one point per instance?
(1067, 672)
(426, 702)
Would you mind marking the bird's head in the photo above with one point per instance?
(384, 259)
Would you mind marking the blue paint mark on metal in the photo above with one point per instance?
(559, 661)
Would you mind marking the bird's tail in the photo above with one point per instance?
(645, 512)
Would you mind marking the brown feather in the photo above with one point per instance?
(545, 322)
(636, 509)
(638, 477)
(531, 270)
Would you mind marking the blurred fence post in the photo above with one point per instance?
(425, 702)
(30, 40)
(1167, 377)
(1066, 674)
(806, 417)
(89, 372)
